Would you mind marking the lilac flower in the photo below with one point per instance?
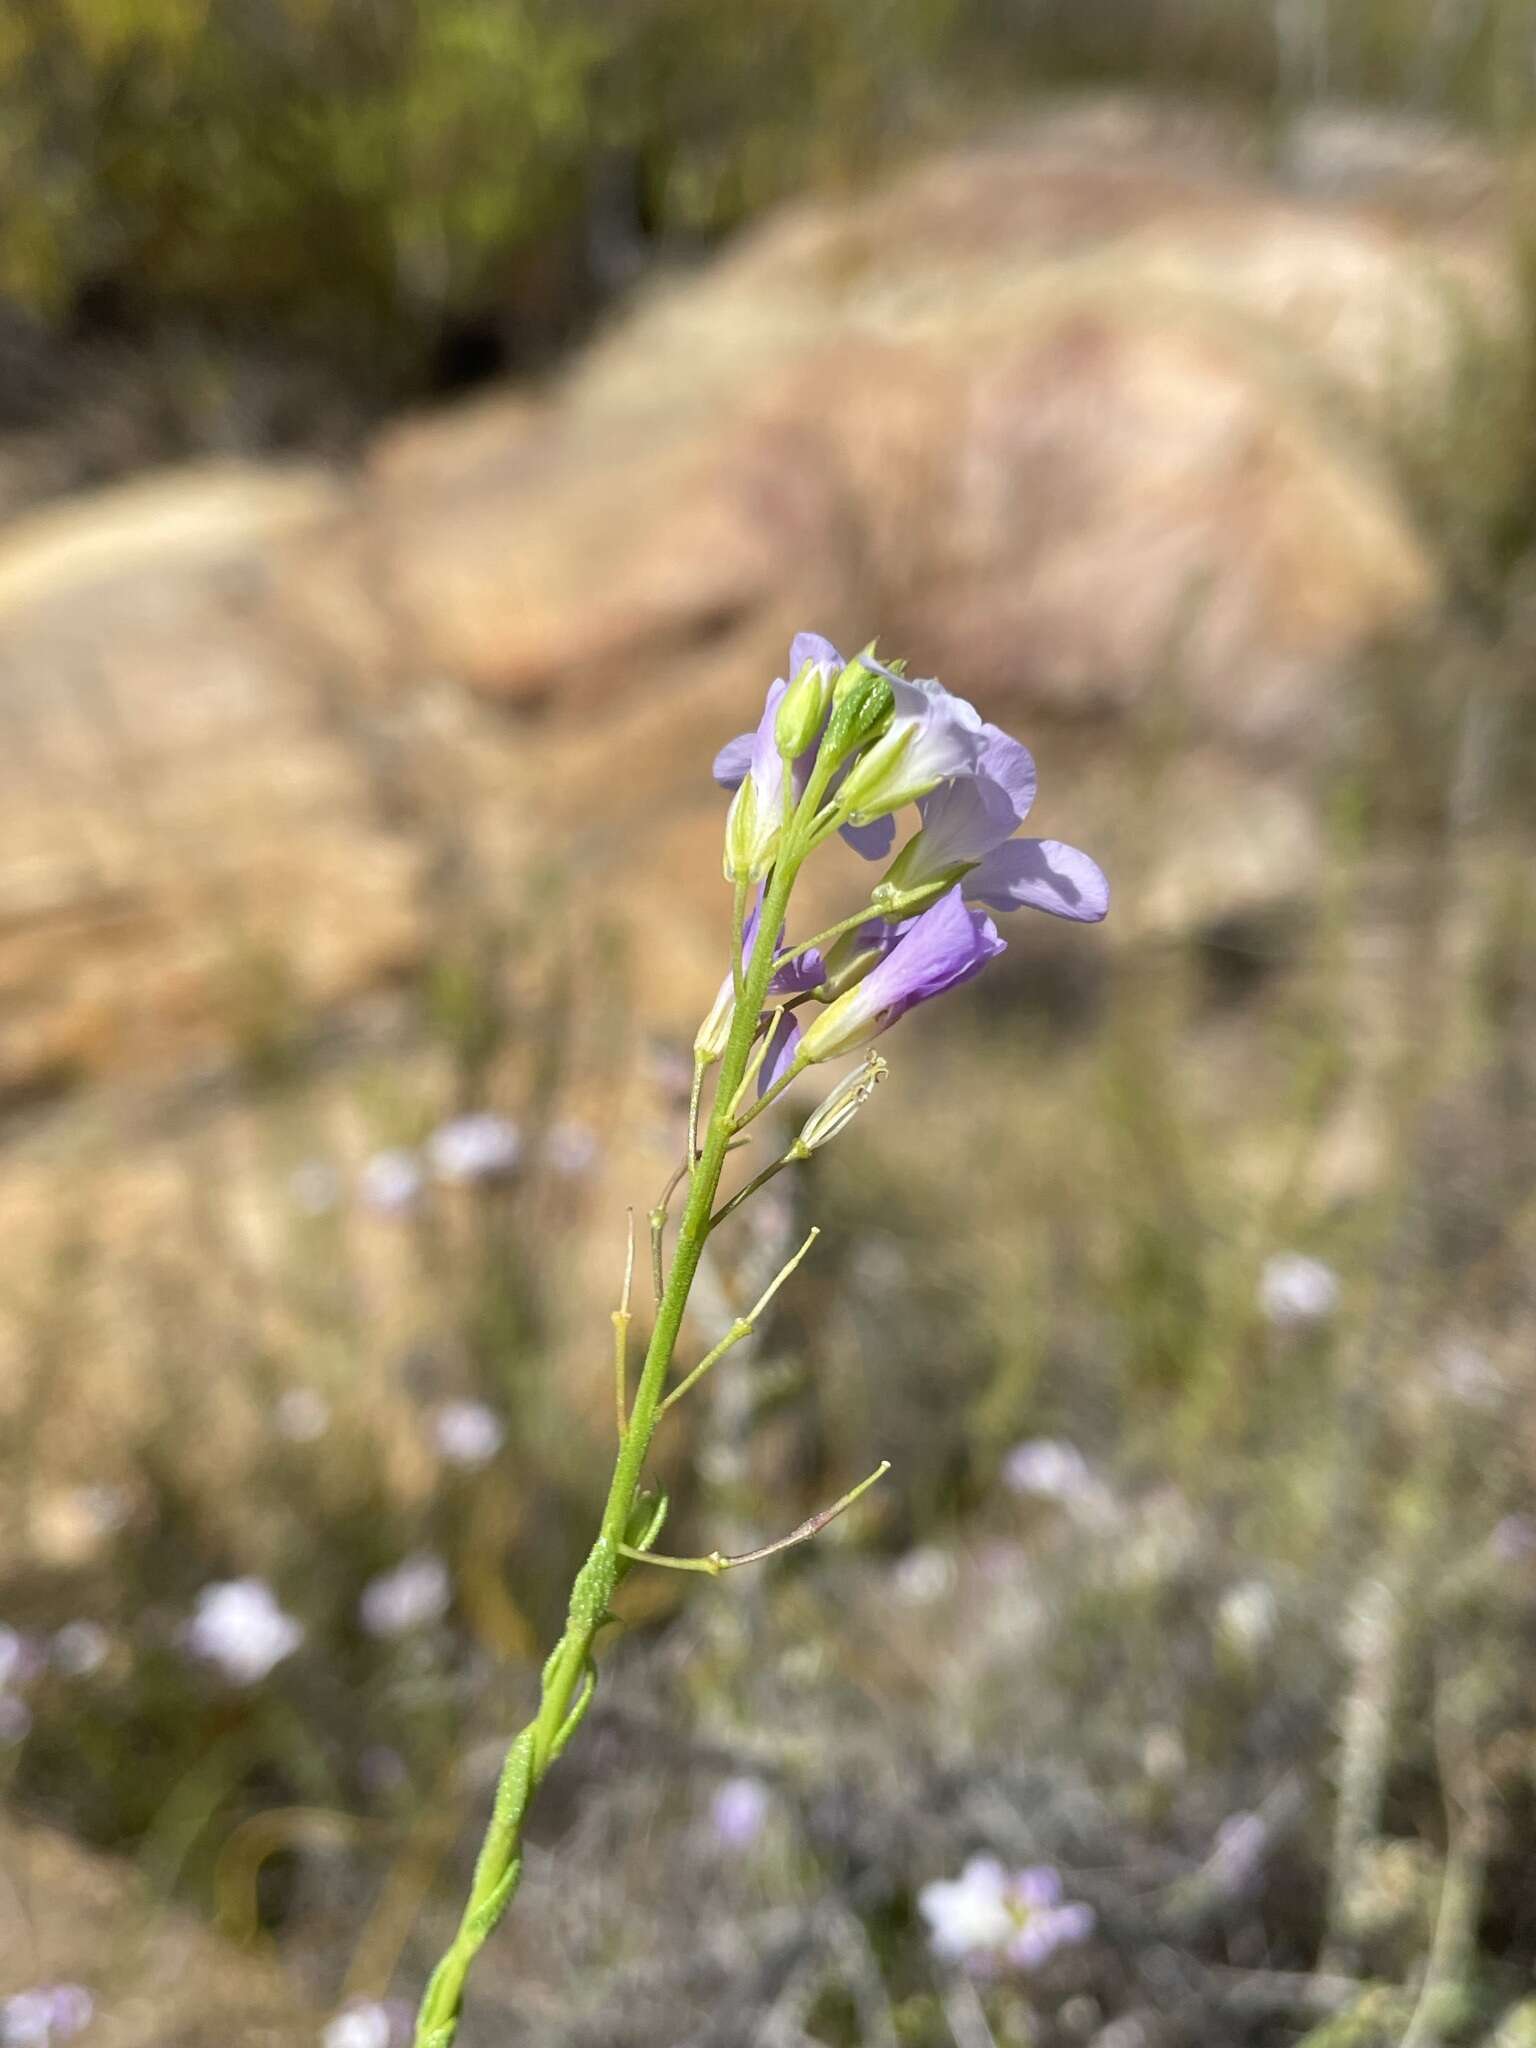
(15, 1720)
(239, 1627)
(967, 831)
(940, 950)
(932, 737)
(991, 1917)
(468, 1433)
(416, 1593)
(390, 1181)
(739, 1811)
(479, 1147)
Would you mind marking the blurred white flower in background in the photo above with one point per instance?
(1247, 1614)
(468, 1433)
(39, 2018)
(1295, 1290)
(364, 2024)
(1043, 1468)
(479, 1147)
(239, 1627)
(739, 1811)
(390, 1182)
(415, 1594)
(991, 1916)
(15, 1720)
(301, 1415)
(314, 1187)
(924, 1575)
(79, 1648)
(571, 1148)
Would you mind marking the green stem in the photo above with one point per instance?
(833, 931)
(569, 1675)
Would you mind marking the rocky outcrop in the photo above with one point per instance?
(1116, 421)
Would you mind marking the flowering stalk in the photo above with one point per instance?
(839, 748)
(570, 1675)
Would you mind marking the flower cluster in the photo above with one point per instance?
(856, 744)
(990, 1918)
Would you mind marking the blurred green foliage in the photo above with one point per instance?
(359, 176)
(360, 172)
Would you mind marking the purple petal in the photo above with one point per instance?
(733, 761)
(811, 647)
(1009, 763)
(874, 841)
(1038, 1888)
(1041, 874)
(962, 820)
(941, 949)
(783, 1044)
(799, 976)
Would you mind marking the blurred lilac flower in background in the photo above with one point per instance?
(468, 1433)
(39, 2018)
(15, 1720)
(415, 1594)
(301, 1415)
(390, 1182)
(1295, 1290)
(79, 1649)
(475, 1148)
(239, 1627)
(1043, 1468)
(923, 1575)
(571, 1148)
(315, 1187)
(739, 1812)
(991, 1917)
(1514, 1539)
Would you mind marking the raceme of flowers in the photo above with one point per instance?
(853, 749)
(864, 744)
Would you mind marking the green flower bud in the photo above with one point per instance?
(803, 711)
(749, 839)
(859, 716)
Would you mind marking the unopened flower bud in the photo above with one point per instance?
(841, 1106)
(803, 711)
(860, 714)
(714, 1032)
(750, 838)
